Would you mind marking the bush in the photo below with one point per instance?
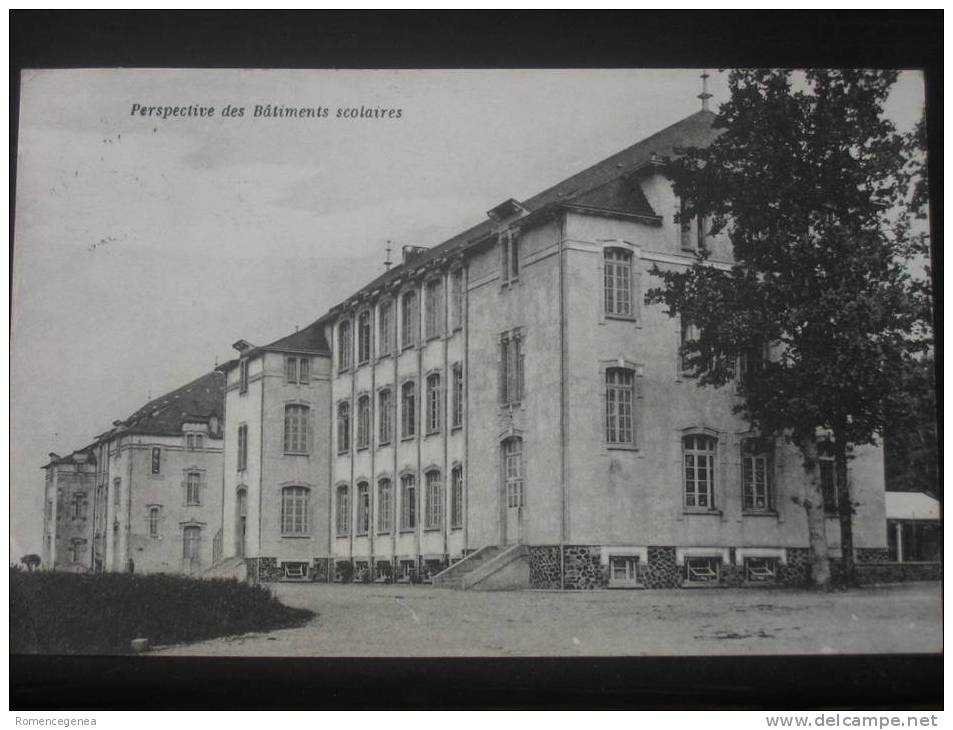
(69, 613)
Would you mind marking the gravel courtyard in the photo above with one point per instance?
(404, 620)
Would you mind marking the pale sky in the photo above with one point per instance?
(145, 247)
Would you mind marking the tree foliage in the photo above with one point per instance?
(817, 192)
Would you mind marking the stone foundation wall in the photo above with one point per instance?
(263, 570)
(583, 568)
(544, 567)
(320, 569)
(797, 572)
(662, 571)
(872, 555)
(884, 572)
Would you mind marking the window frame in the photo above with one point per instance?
(195, 483)
(153, 515)
(434, 404)
(386, 327)
(385, 416)
(514, 489)
(365, 345)
(456, 405)
(345, 345)
(711, 455)
(156, 461)
(242, 463)
(433, 500)
(752, 452)
(303, 432)
(456, 299)
(509, 256)
(243, 376)
(342, 511)
(408, 503)
(409, 319)
(362, 437)
(362, 504)
(408, 416)
(614, 260)
(295, 511)
(511, 354)
(456, 497)
(614, 395)
(827, 475)
(385, 506)
(343, 421)
(434, 325)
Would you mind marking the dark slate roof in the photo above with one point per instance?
(194, 402)
(310, 340)
(600, 186)
(89, 451)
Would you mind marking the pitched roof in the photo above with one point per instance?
(88, 451)
(912, 506)
(310, 339)
(194, 402)
(582, 189)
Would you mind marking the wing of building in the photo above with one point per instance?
(502, 409)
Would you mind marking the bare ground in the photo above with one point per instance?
(403, 620)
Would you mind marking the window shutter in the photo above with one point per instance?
(636, 291)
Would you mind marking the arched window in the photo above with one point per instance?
(344, 426)
(433, 403)
(456, 497)
(363, 421)
(408, 502)
(755, 476)
(342, 512)
(618, 282)
(294, 510)
(363, 337)
(698, 457)
(344, 345)
(408, 409)
(512, 450)
(385, 416)
(433, 508)
(620, 399)
(410, 320)
(385, 505)
(363, 508)
(385, 338)
(296, 429)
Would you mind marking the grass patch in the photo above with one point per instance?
(69, 613)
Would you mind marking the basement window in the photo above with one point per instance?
(761, 570)
(623, 571)
(702, 570)
(295, 570)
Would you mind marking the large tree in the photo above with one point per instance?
(811, 183)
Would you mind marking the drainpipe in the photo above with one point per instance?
(331, 422)
(563, 405)
(395, 391)
(465, 364)
(129, 508)
(372, 439)
(261, 455)
(447, 415)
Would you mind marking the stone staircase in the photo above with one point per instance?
(489, 569)
(453, 576)
(233, 567)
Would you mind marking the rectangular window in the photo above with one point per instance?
(385, 416)
(156, 460)
(456, 497)
(304, 370)
(385, 506)
(828, 476)
(685, 223)
(618, 282)
(363, 422)
(509, 255)
(342, 512)
(79, 506)
(408, 410)
(192, 543)
(153, 522)
(434, 308)
(408, 502)
(433, 509)
(511, 368)
(344, 426)
(296, 429)
(386, 326)
(620, 387)
(243, 446)
(410, 320)
(513, 471)
(193, 488)
(457, 395)
(698, 453)
(456, 299)
(755, 478)
(297, 369)
(243, 376)
(433, 403)
(294, 510)
(702, 570)
(364, 337)
(623, 570)
(344, 345)
(363, 509)
(761, 570)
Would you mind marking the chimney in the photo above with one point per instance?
(412, 252)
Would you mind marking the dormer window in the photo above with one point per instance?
(194, 442)
(298, 370)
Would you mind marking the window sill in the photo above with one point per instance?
(454, 429)
(297, 453)
(433, 529)
(344, 371)
(408, 530)
(622, 447)
(620, 317)
(433, 337)
(382, 444)
(411, 346)
(362, 363)
(360, 534)
(759, 513)
(408, 438)
(342, 536)
(458, 328)
(432, 433)
(456, 528)
(382, 533)
(362, 448)
(383, 356)
(340, 453)
(701, 511)
(296, 536)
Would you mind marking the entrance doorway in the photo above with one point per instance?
(191, 549)
(513, 497)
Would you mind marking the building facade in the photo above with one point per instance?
(158, 496)
(276, 450)
(510, 387)
(69, 485)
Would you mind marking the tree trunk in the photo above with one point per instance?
(814, 508)
(845, 505)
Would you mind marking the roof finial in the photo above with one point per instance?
(704, 96)
(387, 261)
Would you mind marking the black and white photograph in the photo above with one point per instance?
(473, 363)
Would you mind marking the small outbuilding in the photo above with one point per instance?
(914, 528)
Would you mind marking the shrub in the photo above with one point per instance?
(69, 613)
